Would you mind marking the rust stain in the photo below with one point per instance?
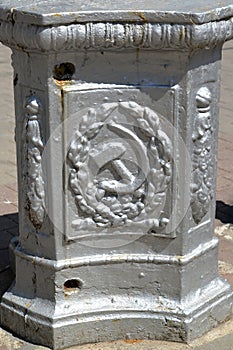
(62, 83)
(142, 16)
(71, 289)
(56, 15)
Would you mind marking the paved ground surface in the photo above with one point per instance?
(220, 339)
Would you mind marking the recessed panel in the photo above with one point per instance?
(119, 161)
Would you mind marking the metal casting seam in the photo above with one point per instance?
(120, 258)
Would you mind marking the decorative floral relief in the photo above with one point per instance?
(34, 178)
(116, 35)
(202, 175)
(111, 188)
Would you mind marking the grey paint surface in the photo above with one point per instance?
(44, 12)
(115, 123)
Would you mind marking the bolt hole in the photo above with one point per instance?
(64, 71)
(73, 285)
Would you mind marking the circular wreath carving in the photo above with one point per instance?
(108, 203)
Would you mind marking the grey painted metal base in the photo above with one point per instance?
(58, 327)
(116, 129)
(139, 306)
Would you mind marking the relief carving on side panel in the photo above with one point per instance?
(202, 174)
(120, 167)
(34, 176)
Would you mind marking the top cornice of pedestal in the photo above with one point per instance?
(57, 25)
(55, 12)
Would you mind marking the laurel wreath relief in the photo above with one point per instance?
(111, 211)
(35, 201)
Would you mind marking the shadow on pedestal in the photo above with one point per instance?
(224, 212)
(8, 230)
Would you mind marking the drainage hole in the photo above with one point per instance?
(64, 71)
(73, 285)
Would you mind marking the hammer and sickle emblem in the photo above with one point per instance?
(120, 175)
(111, 156)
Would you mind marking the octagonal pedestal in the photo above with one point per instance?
(116, 131)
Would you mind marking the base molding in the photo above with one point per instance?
(60, 325)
